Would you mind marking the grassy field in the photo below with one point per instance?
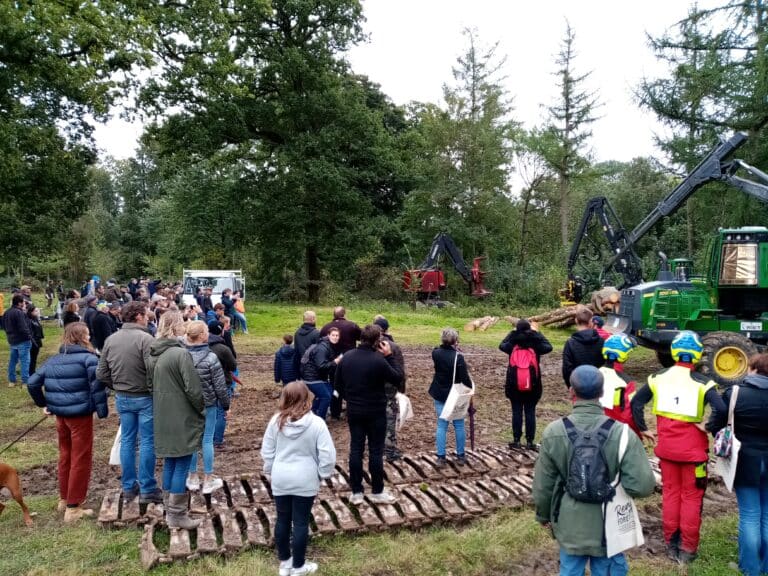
(507, 543)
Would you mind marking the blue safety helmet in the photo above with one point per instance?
(618, 347)
(686, 347)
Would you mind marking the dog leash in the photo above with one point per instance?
(27, 431)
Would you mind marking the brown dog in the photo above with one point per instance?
(9, 479)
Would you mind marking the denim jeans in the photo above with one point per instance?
(571, 565)
(442, 432)
(322, 392)
(211, 413)
(221, 419)
(292, 510)
(753, 526)
(136, 419)
(240, 317)
(175, 470)
(20, 354)
(374, 429)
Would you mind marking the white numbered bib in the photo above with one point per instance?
(677, 399)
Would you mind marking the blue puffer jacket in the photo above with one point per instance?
(70, 383)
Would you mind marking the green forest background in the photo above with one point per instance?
(265, 151)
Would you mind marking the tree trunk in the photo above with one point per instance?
(313, 275)
(564, 208)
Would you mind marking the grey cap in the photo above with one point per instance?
(587, 382)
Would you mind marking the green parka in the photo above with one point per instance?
(578, 526)
(179, 408)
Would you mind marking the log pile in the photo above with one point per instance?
(603, 301)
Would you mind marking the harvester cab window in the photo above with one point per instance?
(739, 265)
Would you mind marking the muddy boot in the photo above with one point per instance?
(441, 462)
(74, 514)
(178, 513)
(685, 557)
(673, 547)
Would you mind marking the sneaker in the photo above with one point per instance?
(356, 498)
(394, 456)
(461, 460)
(74, 514)
(11, 384)
(155, 497)
(441, 462)
(308, 568)
(210, 486)
(285, 567)
(382, 498)
(193, 483)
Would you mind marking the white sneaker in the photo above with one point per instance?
(193, 484)
(214, 484)
(285, 567)
(308, 568)
(382, 498)
(356, 498)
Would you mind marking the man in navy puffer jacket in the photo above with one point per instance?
(67, 387)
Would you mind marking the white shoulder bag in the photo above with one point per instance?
(622, 522)
(457, 404)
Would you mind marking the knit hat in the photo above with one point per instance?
(523, 325)
(598, 321)
(382, 323)
(587, 382)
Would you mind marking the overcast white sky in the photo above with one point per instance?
(414, 43)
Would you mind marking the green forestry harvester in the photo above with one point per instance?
(727, 304)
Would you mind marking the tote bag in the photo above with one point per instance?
(622, 521)
(725, 466)
(114, 454)
(405, 409)
(457, 404)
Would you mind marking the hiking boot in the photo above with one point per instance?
(461, 460)
(61, 507)
(685, 557)
(308, 568)
(193, 483)
(515, 445)
(383, 497)
(155, 497)
(211, 485)
(673, 547)
(130, 495)
(178, 513)
(441, 462)
(285, 567)
(356, 498)
(532, 446)
(74, 514)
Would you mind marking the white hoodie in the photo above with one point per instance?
(298, 455)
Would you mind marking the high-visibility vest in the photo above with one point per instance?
(613, 387)
(678, 396)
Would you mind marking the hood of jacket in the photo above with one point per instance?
(757, 380)
(294, 429)
(306, 329)
(198, 352)
(158, 347)
(74, 349)
(588, 336)
(215, 339)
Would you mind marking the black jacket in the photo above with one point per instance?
(399, 359)
(360, 380)
(540, 345)
(321, 363)
(749, 423)
(103, 326)
(69, 317)
(224, 354)
(583, 347)
(88, 316)
(16, 326)
(442, 381)
(305, 336)
(36, 328)
(349, 333)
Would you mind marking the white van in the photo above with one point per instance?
(217, 280)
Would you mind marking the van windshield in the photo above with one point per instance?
(217, 284)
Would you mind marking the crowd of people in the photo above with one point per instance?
(174, 383)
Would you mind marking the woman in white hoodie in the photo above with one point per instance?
(298, 451)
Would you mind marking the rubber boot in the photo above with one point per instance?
(178, 513)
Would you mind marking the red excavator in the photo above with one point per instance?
(428, 280)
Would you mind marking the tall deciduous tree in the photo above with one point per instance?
(569, 120)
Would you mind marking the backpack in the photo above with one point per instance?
(306, 358)
(588, 477)
(524, 359)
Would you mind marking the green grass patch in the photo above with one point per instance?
(27, 454)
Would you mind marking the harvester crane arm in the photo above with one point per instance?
(444, 243)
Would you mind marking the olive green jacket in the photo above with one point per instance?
(177, 396)
(578, 526)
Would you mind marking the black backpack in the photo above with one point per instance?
(305, 358)
(588, 477)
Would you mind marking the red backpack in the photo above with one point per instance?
(524, 359)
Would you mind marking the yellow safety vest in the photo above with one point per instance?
(678, 396)
(613, 388)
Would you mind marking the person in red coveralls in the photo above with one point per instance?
(597, 323)
(618, 388)
(679, 396)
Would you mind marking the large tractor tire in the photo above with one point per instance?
(726, 357)
(665, 358)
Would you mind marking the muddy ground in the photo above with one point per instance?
(258, 400)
